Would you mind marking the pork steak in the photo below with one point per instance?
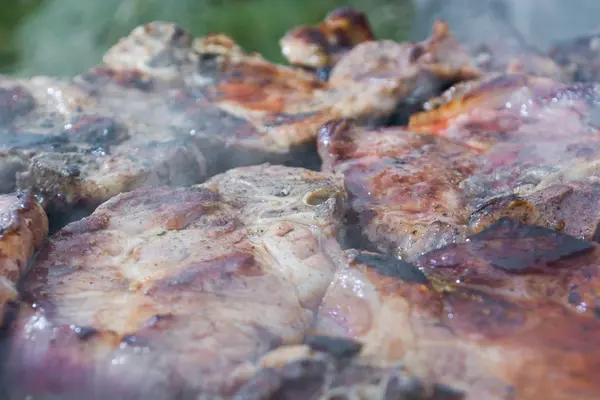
(172, 293)
(510, 314)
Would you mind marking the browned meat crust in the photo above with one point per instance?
(510, 314)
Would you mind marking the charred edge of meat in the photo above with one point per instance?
(510, 228)
(556, 247)
(388, 265)
(335, 346)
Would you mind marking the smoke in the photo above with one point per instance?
(539, 23)
(65, 37)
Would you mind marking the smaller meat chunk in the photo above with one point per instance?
(23, 229)
(320, 47)
(395, 75)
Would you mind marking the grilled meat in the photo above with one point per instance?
(510, 314)
(403, 187)
(169, 293)
(23, 228)
(512, 145)
(168, 109)
(539, 145)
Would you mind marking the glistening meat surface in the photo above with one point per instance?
(511, 314)
(171, 293)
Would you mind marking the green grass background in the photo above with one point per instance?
(64, 37)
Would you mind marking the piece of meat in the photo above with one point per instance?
(510, 314)
(320, 47)
(580, 57)
(170, 293)
(23, 229)
(403, 187)
(539, 143)
(399, 76)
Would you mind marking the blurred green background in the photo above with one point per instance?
(65, 37)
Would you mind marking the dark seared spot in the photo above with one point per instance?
(416, 52)
(134, 341)
(337, 347)
(312, 35)
(10, 311)
(323, 73)
(95, 130)
(73, 171)
(516, 247)
(574, 298)
(14, 102)
(388, 265)
(443, 392)
(84, 332)
(404, 388)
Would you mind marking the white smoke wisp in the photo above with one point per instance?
(539, 23)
